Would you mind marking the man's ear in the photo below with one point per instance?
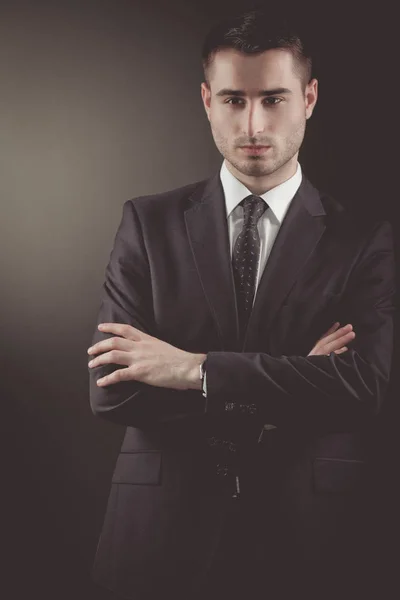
(206, 97)
(311, 95)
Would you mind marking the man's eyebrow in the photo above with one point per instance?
(229, 92)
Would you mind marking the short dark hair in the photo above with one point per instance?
(254, 32)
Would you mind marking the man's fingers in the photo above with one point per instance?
(332, 329)
(116, 357)
(115, 377)
(327, 339)
(341, 350)
(338, 342)
(113, 343)
(334, 342)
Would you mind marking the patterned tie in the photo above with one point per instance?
(232, 439)
(245, 258)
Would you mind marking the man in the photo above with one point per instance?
(244, 467)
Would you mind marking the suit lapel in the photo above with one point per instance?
(207, 228)
(297, 238)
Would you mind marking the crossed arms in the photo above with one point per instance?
(161, 383)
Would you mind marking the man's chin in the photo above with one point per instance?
(255, 168)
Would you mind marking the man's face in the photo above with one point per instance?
(276, 120)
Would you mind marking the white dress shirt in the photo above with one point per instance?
(278, 200)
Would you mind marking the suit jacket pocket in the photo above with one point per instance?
(142, 468)
(338, 475)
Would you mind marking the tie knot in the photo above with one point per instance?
(253, 207)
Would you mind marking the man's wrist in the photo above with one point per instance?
(193, 380)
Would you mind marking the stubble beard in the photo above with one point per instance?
(262, 165)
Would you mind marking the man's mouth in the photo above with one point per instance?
(255, 149)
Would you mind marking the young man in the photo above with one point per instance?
(244, 465)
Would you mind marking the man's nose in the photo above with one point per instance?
(254, 120)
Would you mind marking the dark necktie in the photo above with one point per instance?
(245, 258)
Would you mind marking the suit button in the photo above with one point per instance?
(229, 406)
(222, 470)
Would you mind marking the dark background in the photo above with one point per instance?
(100, 102)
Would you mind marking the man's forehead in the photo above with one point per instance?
(269, 68)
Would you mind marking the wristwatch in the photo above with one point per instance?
(203, 377)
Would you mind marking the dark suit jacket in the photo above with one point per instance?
(170, 275)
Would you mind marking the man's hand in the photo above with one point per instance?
(147, 359)
(334, 340)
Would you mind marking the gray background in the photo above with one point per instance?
(100, 102)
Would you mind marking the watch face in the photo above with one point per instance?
(202, 370)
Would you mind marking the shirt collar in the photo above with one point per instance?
(278, 198)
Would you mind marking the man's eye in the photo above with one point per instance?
(271, 101)
(229, 100)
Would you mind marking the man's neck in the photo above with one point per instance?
(260, 185)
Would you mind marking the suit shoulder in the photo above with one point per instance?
(349, 221)
(165, 201)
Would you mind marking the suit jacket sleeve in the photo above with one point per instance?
(331, 391)
(128, 298)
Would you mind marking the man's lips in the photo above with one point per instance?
(255, 149)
